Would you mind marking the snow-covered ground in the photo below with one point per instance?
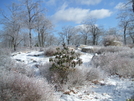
(111, 89)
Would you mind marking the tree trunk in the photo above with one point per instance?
(125, 36)
(94, 39)
(14, 46)
(42, 39)
(39, 39)
(68, 41)
(30, 38)
(133, 41)
(85, 41)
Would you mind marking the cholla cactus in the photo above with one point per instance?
(65, 60)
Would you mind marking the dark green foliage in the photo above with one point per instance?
(65, 61)
(130, 100)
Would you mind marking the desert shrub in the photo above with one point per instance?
(18, 87)
(50, 51)
(65, 61)
(120, 63)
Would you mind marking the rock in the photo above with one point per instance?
(71, 48)
(67, 92)
(85, 97)
(96, 97)
(88, 49)
(36, 55)
(72, 91)
(34, 61)
(95, 82)
(102, 83)
(18, 60)
(82, 46)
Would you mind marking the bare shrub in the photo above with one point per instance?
(4, 56)
(95, 74)
(81, 76)
(122, 66)
(21, 68)
(50, 51)
(77, 77)
(120, 63)
(45, 71)
(7, 64)
(18, 87)
(112, 49)
(112, 40)
(5, 51)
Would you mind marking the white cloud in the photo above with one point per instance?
(120, 6)
(71, 14)
(99, 14)
(51, 2)
(88, 2)
(81, 2)
(77, 15)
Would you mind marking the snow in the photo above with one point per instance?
(89, 47)
(111, 89)
(30, 57)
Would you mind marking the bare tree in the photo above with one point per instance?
(67, 34)
(30, 12)
(131, 31)
(43, 27)
(133, 5)
(124, 22)
(114, 32)
(61, 37)
(91, 30)
(52, 40)
(126, 19)
(12, 26)
(85, 31)
(95, 32)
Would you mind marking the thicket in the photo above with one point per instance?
(119, 62)
(19, 87)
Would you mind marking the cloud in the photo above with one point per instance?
(88, 2)
(100, 14)
(71, 14)
(51, 2)
(78, 15)
(120, 6)
(80, 2)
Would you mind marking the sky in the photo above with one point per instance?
(74, 12)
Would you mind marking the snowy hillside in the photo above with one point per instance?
(112, 88)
